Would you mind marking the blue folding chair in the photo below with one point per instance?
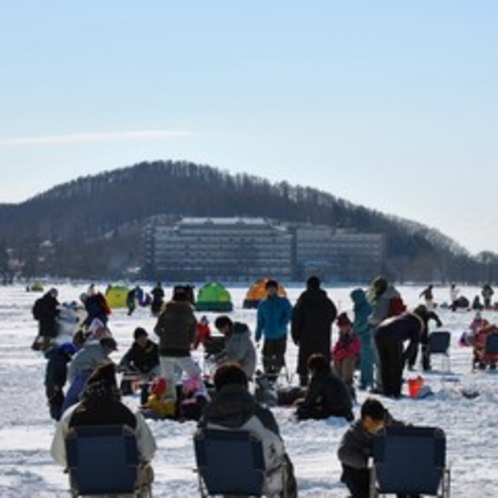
(230, 462)
(102, 460)
(491, 347)
(410, 460)
(439, 343)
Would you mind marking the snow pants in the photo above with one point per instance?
(367, 361)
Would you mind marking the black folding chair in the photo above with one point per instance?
(102, 460)
(410, 460)
(231, 462)
(439, 343)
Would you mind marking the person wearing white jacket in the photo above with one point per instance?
(101, 405)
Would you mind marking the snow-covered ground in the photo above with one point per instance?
(26, 468)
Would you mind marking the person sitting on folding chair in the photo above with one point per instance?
(233, 407)
(355, 447)
(101, 405)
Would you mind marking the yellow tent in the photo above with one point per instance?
(257, 292)
(116, 296)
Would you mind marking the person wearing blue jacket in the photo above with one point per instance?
(364, 331)
(273, 317)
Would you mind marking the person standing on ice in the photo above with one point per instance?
(45, 311)
(454, 296)
(273, 317)
(311, 325)
(157, 294)
(428, 296)
(487, 294)
(176, 328)
(364, 332)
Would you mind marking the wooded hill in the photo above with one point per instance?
(92, 226)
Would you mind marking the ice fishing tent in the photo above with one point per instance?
(116, 296)
(257, 292)
(36, 287)
(213, 297)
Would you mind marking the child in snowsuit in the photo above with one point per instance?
(203, 332)
(345, 352)
(363, 330)
(355, 447)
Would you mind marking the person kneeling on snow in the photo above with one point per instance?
(101, 405)
(327, 394)
(234, 408)
(140, 362)
(355, 447)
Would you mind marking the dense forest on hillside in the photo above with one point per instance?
(92, 226)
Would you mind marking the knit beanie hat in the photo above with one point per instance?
(101, 384)
(343, 320)
(105, 373)
(313, 283)
(139, 332)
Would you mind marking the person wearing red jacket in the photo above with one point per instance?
(203, 332)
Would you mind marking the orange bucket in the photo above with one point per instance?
(414, 386)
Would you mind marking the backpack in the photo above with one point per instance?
(396, 307)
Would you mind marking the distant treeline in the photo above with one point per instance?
(92, 226)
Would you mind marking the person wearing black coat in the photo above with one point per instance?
(45, 311)
(327, 394)
(140, 361)
(143, 355)
(157, 299)
(389, 338)
(311, 325)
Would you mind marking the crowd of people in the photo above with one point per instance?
(379, 339)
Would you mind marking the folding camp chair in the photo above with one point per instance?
(231, 462)
(439, 343)
(103, 460)
(410, 460)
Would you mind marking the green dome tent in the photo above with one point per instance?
(116, 296)
(213, 297)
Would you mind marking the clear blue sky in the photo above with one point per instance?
(389, 104)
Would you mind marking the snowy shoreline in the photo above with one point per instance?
(27, 470)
